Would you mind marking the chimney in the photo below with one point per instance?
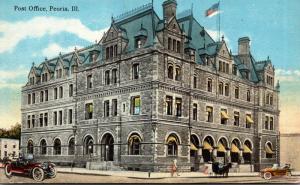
(244, 46)
(169, 9)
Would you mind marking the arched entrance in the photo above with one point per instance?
(107, 147)
(194, 146)
(134, 144)
(88, 145)
(221, 151)
(30, 147)
(208, 144)
(235, 150)
(172, 144)
(247, 153)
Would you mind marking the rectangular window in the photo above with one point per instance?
(114, 76)
(224, 116)
(114, 107)
(266, 122)
(33, 98)
(106, 108)
(60, 116)
(135, 71)
(46, 95)
(70, 116)
(271, 123)
(248, 121)
(46, 119)
(209, 114)
(61, 92)
(107, 77)
(178, 103)
(174, 45)
(221, 88)
(33, 121)
(136, 105)
(236, 118)
(29, 99)
(42, 96)
(195, 82)
(89, 82)
(169, 43)
(226, 89)
(236, 92)
(209, 85)
(28, 121)
(55, 93)
(178, 47)
(195, 111)
(41, 120)
(234, 70)
(115, 50)
(227, 68)
(169, 104)
(70, 90)
(89, 109)
(55, 118)
(107, 53)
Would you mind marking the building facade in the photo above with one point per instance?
(9, 148)
(150, 91)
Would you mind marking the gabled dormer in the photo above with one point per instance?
(34, 75)
(45, 73)
(140, 37)
(59, 69)
(114, 42)
(174, 36)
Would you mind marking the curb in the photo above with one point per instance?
(80, 173)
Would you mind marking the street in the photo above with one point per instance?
(76, 178)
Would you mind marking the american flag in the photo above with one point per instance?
(213, 10)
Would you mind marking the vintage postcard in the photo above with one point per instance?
(152, 91)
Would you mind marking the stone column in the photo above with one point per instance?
(199, 153)
(241, 157)
(228, 156)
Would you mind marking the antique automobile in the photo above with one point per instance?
(27, 166)
(276, 170)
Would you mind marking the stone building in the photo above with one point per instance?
(150, 91)
(9, 148)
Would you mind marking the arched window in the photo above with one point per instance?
(43, 147)
(208, 145)
(71, 147)
(30, 147)
(194, 146)
(172, 143)
(248, 95)
(209, 85)
(221, 88)
(235, 151)
(178, 73)
(57, 147)
(107, 147)
(134, 145)
(222, 145)
(226, 89)
(247, 152)
(269, 150)
(89, 145)
(170, 71)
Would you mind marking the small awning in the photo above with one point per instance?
(234, 148)
(207, 146)
(224, 115)
(247, 149)
(171, 138)
(249, 119)
(269, 150)
(193, 147)
(221, 148)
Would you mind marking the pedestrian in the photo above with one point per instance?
(174, 168)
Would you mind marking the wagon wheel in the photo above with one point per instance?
(267, 175)
(38, 174)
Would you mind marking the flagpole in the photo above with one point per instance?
(219, 21)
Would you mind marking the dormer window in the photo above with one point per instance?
(73, 69)
(58, 73)
(141, 37)
(111, 51)
(138, 43)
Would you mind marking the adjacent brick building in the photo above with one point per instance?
(150, 91)
(9, 148)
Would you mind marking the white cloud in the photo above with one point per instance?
(53, 49)
(289, 75)
(13, 33)
(7, 78)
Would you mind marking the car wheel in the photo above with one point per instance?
(53, 172)
(267, 175)
(8, 170)
(38, 174)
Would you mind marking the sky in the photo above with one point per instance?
(28, 37)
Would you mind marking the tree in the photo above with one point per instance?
(14, 132)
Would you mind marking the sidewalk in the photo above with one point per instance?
(142, 175)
